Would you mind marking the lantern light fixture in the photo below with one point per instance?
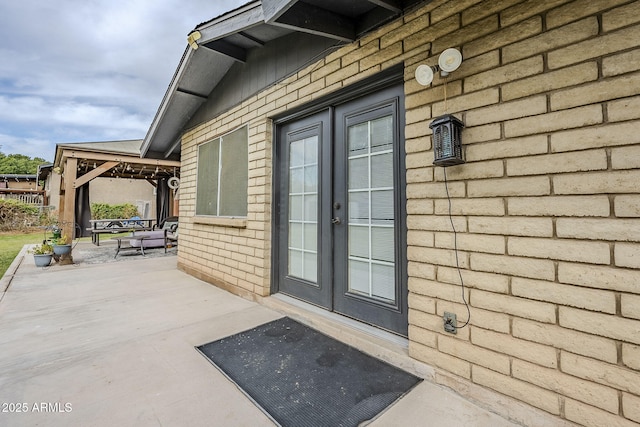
(447, 141)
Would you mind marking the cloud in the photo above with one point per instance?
(38, 110)
(89, 70)
(31, 147)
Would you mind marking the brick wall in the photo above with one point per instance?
(546, 208)
(232, 253)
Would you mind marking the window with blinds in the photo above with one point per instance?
(223, 175)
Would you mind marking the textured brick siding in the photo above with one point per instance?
(234, 257)
(547, 206)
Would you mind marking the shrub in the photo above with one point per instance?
(107, 211)
(48, 218)
(15, 215)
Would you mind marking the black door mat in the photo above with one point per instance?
(303, 378)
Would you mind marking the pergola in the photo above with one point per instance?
(80, 163)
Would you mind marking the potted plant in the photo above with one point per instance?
(61, 245)
(42, 254)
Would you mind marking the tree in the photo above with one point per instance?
(19, 164)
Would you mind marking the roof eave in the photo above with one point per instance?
(207, 45)
(162, 110)
(237, 20)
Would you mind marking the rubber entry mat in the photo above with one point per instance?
(301, 377)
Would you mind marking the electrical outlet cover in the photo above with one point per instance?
(450, 322)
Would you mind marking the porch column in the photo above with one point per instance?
(175, 211)
(68, 212)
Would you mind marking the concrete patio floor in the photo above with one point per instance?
(113, 345)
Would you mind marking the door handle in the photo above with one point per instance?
(336, 220)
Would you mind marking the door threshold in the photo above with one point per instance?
(382, 344)
(344, 320)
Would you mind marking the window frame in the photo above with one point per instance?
(233, 220)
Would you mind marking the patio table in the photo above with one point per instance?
(130, 237)
(117, 225)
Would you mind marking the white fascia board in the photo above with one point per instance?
(166, 100)
(239, 20)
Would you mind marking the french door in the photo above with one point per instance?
(340, 226)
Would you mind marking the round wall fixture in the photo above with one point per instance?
(424, 75)
(450, 60)
(173, 183)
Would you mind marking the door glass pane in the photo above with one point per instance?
(310, 179)
(383, 282)
(382, 207)
(381, 250)
(382, 165)
(303, 209)
(359, 239)
(310, 268)
(358, 139)
(359, 173)
(310, 237)
(295, 208)
(310, 151)
(296, 180)
(295, 263)
(296, 153)
(295, 236)
(371, 210)
(359, 277)
(310, 208)
(382, 134)
(359, 207)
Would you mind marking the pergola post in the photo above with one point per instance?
(68, 212)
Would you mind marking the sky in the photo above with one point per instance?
(89, 70)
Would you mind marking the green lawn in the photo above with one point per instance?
(11, 243)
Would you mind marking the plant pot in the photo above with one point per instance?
(42, 260)
(61, 249)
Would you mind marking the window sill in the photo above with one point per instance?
(221, 221)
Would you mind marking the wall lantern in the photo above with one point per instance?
(447, 129)
(447, 141)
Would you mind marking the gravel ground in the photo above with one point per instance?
(88, 253)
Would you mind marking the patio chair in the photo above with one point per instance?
(171, 237)
(167, 224)
(166, 235)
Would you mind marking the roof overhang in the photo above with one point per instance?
(44, 170)
(215, 46)
(115, 159)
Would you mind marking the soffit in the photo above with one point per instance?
(219, 43)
